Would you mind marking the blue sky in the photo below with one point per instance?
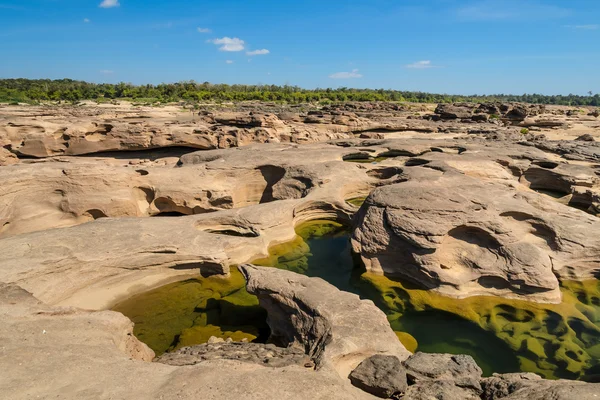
(444, 46)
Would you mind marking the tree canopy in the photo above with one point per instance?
(30, 90)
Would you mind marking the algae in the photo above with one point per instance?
(356, 201)
(555, 341)
(190, 312)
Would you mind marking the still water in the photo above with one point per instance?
(556, 341)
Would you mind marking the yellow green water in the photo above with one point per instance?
(190, 312)
(556, 341)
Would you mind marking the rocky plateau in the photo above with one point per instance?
(101, 203)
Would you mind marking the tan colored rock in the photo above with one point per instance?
(464, 236)
(333, 327)
(50, 352)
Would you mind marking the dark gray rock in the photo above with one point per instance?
(460, 370)
(382, 376)
(500, 386)
(257, 353)
(439, 390)
(586, 138)
(455, 111)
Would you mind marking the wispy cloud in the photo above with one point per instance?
(86, 20)
(109, 3)
(425, 64)
(502, 10)
(204, 30)
(590, 27)
(346, 75)
(261, 52)
(229, 44)
(228, 61)
(107, 71)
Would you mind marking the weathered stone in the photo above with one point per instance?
(460, 370)
(257, 353)
(382, 376)
(312, 314)
(465, 236)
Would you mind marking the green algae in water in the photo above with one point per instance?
(356, 201)
(556, 341)
(321, 249)
(190, 312)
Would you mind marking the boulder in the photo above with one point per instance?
(382, 376)
(585, 138)
(465, 236)
(334, 328)
(460, 370)
(455, 111)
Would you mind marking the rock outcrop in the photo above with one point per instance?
(465, 236)
(382, 376)
(94, 355)
(314, 315)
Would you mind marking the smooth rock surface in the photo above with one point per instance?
(312, 314)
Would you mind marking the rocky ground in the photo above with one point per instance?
(103, 202)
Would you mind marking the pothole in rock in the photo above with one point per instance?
(364, 158)
(356, 201)
(556, 341)
(581, 202)
(188, 313)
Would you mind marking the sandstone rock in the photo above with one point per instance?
(50, 352)
(312, 314)
(455, 111)
(500, 386)
(463, 236)
(439, 390)
(586, 138)
(382, 376)
(267, 355)
(460, 370)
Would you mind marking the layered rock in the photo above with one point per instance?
(72, 354)
(465, 236)
(314, 315)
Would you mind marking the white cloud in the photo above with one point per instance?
(421, 65)
(261, 52)
(590, 27)
(346, 75)
(228, 61)
(86, 20)
(229, 44)
(109, 3)
(204, 30)
(106, 71)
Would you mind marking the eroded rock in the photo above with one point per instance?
(311, 314)
(382, 376)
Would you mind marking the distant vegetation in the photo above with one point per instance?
(31, 91)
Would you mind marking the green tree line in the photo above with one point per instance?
(35, 90)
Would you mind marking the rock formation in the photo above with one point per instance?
(459, 199)
(314, 315)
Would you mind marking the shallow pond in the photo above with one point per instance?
(556, 341)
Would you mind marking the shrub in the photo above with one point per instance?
(524, 131)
